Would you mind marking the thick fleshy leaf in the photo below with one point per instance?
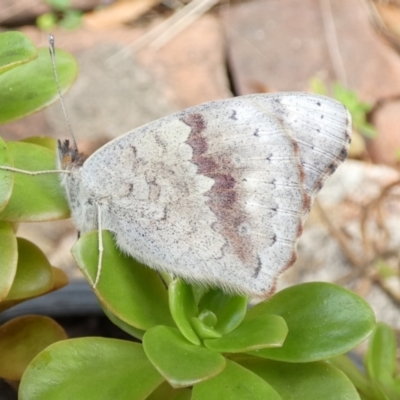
(6, 177)
(60, 280)
(202, 328)
(311, 381)
(15, 48)
(44, 141)
(132, 292)
(21, 339)
(179, 361)
(229, 309)
(359, 380)
(235, 383)
(183, 307)
(32, 86)
(129, 329)
(166, 392)
(34, 273)
(8, 258)
(324, 321)
(253, 333)
(34, 198)
(380, 360)
(91, 369)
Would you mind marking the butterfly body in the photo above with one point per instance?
(218, 193)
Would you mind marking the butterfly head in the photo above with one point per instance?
(68, 155)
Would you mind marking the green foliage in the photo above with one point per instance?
(63, 15)
(382, 378)
(26, 76)
(197, 343)
(25, 272)
(357, 108)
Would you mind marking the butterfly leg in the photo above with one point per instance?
(101, 248)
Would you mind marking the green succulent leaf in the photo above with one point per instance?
(229, 309)
(381, 357)
(324, 321)
(31, 86)
(235, 383)
(21, 339)
(180, 362)
(183, 308)
(34, 273)
(129, 329)
(44, 141)
(359, 380)
(15, 48)
(8, 258)
(261, 331)
(47, 199)
(131, 291)
(203, 328)
(311, 381)
(90, 369)
(60, 280)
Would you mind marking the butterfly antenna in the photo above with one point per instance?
(53, 63)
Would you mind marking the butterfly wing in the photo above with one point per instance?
(218, 193)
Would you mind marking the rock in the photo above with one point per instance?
(282, 45)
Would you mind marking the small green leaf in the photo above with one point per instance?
(47, 21)
(183, 307)
(179, 361)
(90, 369)
(208, 318)
(259, 332)
(359, 380)
(311, 381)
(34, 273)
(72, 19)
(31, 86)
(47, 199)
(8, 258)
(235, 383)
(380, 360)
(229, 309)
(131, 291)
(203, 330)
(15, 48)
(324, 320)
(21, 339)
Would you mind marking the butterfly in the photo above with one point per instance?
(216, 194)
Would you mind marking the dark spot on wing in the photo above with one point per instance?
(258, 268)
